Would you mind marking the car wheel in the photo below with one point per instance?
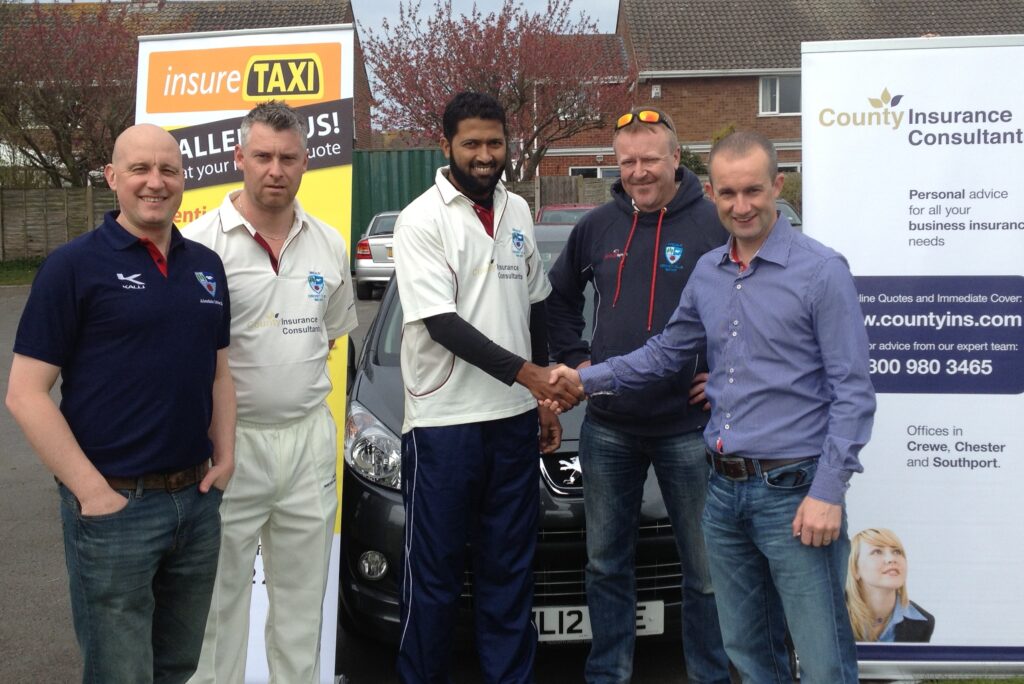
(364, 290)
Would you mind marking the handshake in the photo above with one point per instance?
(556, 388)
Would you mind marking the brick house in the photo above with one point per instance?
(715, 63)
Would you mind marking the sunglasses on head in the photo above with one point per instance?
(644, 115)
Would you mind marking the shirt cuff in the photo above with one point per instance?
(597, 379)
(830, 484)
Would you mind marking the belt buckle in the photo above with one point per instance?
(732, 467)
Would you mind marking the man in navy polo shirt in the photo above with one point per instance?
(135, 320)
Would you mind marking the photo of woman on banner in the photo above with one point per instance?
(876, 591)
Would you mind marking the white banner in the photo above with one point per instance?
(914, 170)
(198, 86)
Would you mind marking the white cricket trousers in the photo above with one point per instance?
(283, 494)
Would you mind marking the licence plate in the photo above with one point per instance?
(572, 623)
(389, 253)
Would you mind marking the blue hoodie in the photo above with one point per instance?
(636, 292)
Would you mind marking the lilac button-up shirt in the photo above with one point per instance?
(787, 351)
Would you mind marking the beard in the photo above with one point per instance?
(472, 185)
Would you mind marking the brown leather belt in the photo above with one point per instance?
(740, 468)
(168, 481)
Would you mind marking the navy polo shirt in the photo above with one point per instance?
(137, 350)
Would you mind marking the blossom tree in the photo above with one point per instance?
(555, 76)
(68, 84)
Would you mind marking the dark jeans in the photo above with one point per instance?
(615, 466)
(141, 580)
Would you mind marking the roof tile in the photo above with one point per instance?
(696, 35)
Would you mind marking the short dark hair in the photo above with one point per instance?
(470, 105)
(278, 116)
(740, 143)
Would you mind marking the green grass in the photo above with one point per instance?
(1003, 680)
(19, 271)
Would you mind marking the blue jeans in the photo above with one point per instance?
(765, 578)
(140, 581)
(615, 466)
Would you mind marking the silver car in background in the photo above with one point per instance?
(374, 260)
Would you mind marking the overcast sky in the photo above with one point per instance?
(370, 12)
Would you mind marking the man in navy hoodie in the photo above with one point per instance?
(638, 251)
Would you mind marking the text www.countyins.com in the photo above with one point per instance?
(938, 321)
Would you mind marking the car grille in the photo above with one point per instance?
(559, 578)
(660, 528)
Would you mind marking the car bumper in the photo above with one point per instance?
(373, 519)
(378, 274)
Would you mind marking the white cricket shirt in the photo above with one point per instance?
(280, 322)
(446, 263)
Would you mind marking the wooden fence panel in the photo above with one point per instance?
(596, 190)
(34, 222)
(559, 190)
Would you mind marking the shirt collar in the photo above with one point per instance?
(776, 247)
(119, 238)
(899, 614)
(231, 219)
(449, 192)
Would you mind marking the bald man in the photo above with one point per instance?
(134, 319)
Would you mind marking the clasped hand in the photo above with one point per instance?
(550, 388)
(564, 379)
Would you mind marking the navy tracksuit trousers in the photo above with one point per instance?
(476, 483)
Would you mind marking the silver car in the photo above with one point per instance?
(374, 260)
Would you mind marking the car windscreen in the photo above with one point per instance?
(563, 215)
(383, 225)
(790, 214)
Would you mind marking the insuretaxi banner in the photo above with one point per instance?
(198, 86)
(913, 169)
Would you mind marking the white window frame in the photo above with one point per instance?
(602, 171)
(765, 108)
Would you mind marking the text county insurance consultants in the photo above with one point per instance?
(890, 118)
(289, 326)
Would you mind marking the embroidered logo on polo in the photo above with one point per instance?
(131, 282)
(673, 257)
(317, 287)
(518, 243)
(207, 282)
(209, 285)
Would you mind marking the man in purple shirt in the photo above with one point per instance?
(791, 406)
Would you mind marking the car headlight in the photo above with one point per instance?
(372, 450)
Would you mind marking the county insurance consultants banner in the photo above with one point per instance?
(914, 169)
(199, 86)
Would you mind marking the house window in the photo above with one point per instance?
(594, 171)
(780, 95)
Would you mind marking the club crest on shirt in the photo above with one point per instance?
(518, 243)
(673, 255)
(316, 286)
(207, 282)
